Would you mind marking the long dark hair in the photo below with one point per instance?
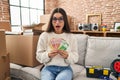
(66, 27)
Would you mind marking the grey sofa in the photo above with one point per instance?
(93, 51)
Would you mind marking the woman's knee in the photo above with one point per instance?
(46, 75)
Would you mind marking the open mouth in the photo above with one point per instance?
(57, 26)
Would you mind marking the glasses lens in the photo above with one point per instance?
(54, 19)
(61, 18)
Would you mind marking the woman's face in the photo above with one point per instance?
(58, 22)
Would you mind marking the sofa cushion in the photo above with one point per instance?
(32, 74)
(35, 72)
(82, 76)
(25, 73)
(102, 51)
(15, 70)
(76, 69)
(82, 44)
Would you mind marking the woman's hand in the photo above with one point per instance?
(63, 53)
(53, 53)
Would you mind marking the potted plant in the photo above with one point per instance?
(118, 29)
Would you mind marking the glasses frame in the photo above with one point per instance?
(60, 19)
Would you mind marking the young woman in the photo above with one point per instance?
(57, 48)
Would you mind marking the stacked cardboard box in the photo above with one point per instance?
(22, 49)
(4, 58)
(2, 43)
(4, 67)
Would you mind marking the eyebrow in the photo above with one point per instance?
(58, 17)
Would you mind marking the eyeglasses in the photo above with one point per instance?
(60, 19)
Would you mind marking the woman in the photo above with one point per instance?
(57, 48)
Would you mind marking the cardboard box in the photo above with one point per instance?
(39, 26)
(4, 58)
(45, 18)
(33, 27)
(22, 49)
(8, 78)
(4, 67)
(2, 42)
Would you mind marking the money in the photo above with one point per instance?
(58, 43)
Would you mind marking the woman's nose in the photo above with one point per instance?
(57, 21)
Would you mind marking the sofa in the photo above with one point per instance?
(93, 51)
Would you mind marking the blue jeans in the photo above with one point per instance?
(56, 73)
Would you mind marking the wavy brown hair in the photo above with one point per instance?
(66, 27)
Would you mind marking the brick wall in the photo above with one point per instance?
(78, 9)
(49, 5)
(4, 15)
